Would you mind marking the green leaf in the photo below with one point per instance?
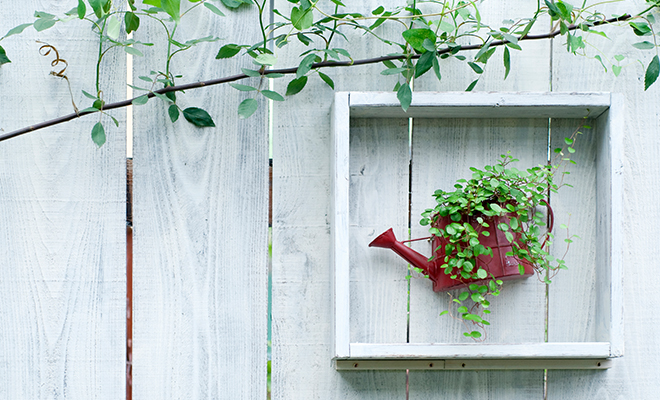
(272, 95)
(447, 27)
(228, 51)
(393, 71)
(99, 7)
(251, 72)
(266, 59)
(644, 45)
(616, 69)
(327, 80)
(424, 63)
(112, 27)
(98, 134)
(640, 28)
(81, 9)
(3, 57)
(44, 23)
(507, 62)
(404, 94)
(155, 3)
(89, 95)
(495, 207)
(296, 85)
(244, 88)
(436, 68)
(16, 30)
(133, 51)
(247, 108)
(472, 85)
(173, 112)
(651, 72)
(172, 7)
(378, 11)
(306, 65)
(445, 312)
(138, 101)
(163, 97)
(198, 117)
(301, 19)
(482, 274)
(597, 57)
(132, 22)
(476, 68)
(214, 9)
(415, 37)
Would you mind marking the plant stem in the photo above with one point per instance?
(293, 70)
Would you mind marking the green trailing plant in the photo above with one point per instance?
(421, 35)
(516, 197)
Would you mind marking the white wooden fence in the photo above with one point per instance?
(200, 241)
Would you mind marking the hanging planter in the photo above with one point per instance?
(497, 265)
(487, 231)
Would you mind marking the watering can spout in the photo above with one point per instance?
(387, 240)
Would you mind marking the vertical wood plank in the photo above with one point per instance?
(302, 300)
(630, 376)
(443, 151)
(200, 232)
(529, 72)
(62, 221)
(379, 170)
(572, 295)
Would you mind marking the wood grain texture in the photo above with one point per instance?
(529, 72)
(200, 233)
(62, 221)
(573, 304)
(631, 376)
(379, 170)
(302, 300)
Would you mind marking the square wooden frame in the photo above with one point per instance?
(607, 109)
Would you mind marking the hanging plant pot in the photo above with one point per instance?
(498, 265)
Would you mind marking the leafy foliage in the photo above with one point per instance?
(427, 37)
(510, 197)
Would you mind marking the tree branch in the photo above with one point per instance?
(324, 64)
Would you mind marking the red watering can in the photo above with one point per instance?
(500, 265)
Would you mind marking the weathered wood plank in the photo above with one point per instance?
(62, 221)
(572, 296)
(200, 233)
(529, 72)
(443, 151)
(379, 170)
(631, 376)
(302, 300)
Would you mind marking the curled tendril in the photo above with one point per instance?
(46, 50)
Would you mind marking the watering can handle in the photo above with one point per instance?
(551, 223)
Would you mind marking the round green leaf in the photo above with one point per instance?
(98, 134)
(198, 117)
(272, 95)
(173, 112)
(247, 108)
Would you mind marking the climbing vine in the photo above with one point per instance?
(431, 31)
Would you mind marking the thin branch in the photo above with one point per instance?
(293, 70)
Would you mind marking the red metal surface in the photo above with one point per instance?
(500, 265)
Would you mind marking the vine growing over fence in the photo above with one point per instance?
(431, 31)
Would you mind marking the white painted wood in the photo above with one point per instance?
(340, 130)
(62, 220)
(447, 141)
(472, 364)
(519, 351)
(635, 151)
(200, 231)
(443, 151)
(480, 105)
(610, 153)
(577, 309)
(302, 309)
(378, 201)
